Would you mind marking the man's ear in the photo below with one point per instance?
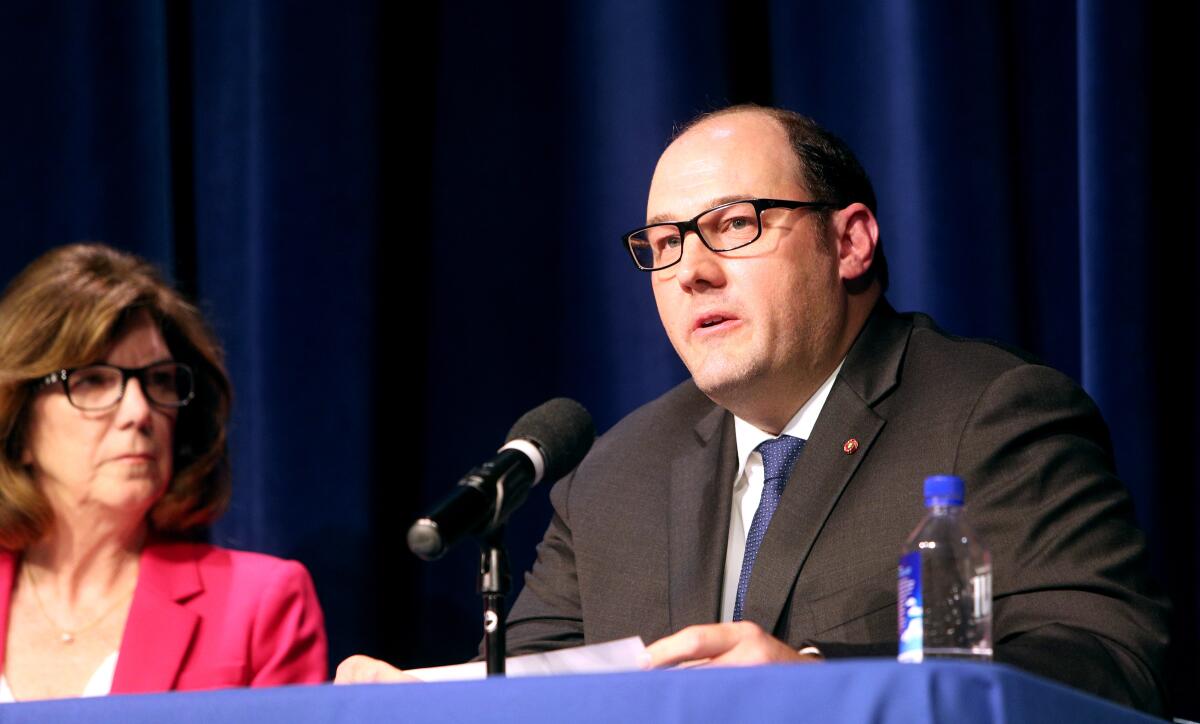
(856, 235)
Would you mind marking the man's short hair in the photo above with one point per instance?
(828, 168)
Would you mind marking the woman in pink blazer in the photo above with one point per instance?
(113, 408)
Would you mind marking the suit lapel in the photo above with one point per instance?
(824, 469)
(160, 630)
(700, 495)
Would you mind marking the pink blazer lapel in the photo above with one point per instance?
(160, 630)
(8, 574)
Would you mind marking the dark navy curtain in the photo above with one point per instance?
(403, 223)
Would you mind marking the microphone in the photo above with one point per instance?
(547, 442)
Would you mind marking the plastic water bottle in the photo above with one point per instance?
(945, 583)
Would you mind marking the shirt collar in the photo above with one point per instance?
(801, 424)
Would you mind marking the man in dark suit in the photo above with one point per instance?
(640, 541)
(763, 253)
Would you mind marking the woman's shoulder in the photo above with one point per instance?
(220, 566)
(254, 605)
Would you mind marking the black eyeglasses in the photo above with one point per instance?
(722, 228)
(100, 387)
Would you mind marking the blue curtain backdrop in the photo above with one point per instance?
(403, 223)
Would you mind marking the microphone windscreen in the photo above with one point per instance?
(562, 428)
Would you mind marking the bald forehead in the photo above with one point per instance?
(724, 125)
(734, 155)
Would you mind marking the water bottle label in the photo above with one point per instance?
(981, 585)
(911, 610)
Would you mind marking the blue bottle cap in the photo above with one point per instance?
(944, 490)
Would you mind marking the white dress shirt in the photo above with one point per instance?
(748, 485)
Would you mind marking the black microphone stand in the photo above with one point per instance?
(495, 581)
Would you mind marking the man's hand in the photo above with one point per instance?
(721, 644)
(366, 670)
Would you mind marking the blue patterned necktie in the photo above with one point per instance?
(779, 457)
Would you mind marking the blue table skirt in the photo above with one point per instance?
(844, 691)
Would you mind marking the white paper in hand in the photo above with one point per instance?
(609, 657)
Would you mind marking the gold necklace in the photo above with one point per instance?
(66, 635)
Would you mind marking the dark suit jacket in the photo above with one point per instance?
(637, 542)
(205, 617)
